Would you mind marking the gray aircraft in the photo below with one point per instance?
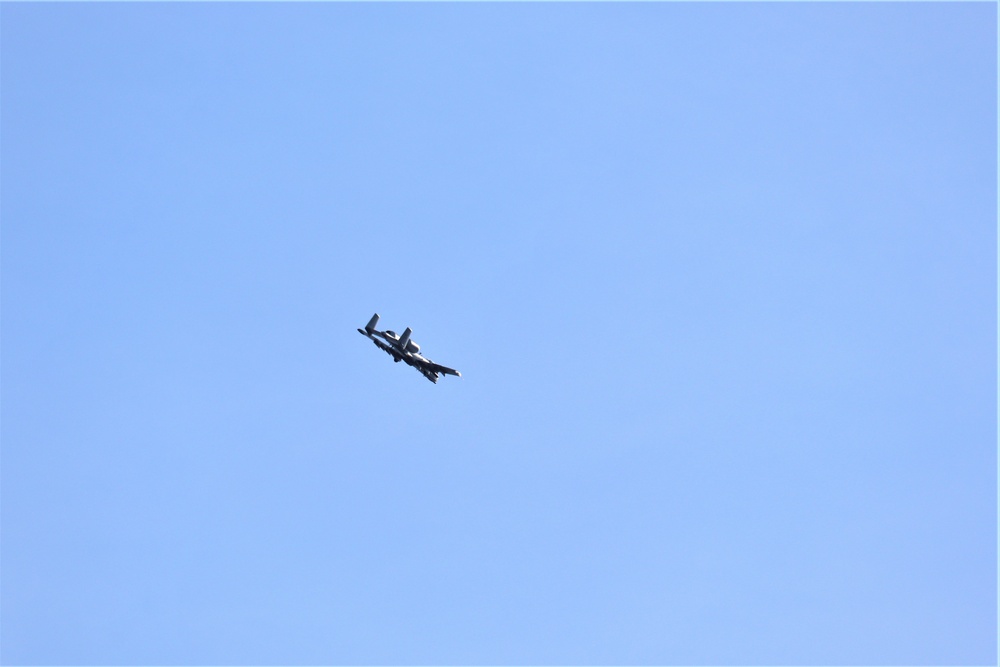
(401, 348)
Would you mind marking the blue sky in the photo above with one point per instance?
(720, 279)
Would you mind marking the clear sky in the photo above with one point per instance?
(720, 278)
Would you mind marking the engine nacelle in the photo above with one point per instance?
(412, 347)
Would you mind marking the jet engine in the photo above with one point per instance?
(412, 347)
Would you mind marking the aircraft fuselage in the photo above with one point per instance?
(401, 348)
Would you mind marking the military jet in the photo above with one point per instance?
(401, 348)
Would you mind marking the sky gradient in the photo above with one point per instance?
(721, 280)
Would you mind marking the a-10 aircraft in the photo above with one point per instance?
(401, 348)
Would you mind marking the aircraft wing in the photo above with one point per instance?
(443, 370)
(385, 348)
(429, 374)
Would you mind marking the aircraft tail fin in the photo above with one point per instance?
(372, 323)
(405, 338)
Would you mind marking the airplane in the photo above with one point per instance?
(401, 348)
